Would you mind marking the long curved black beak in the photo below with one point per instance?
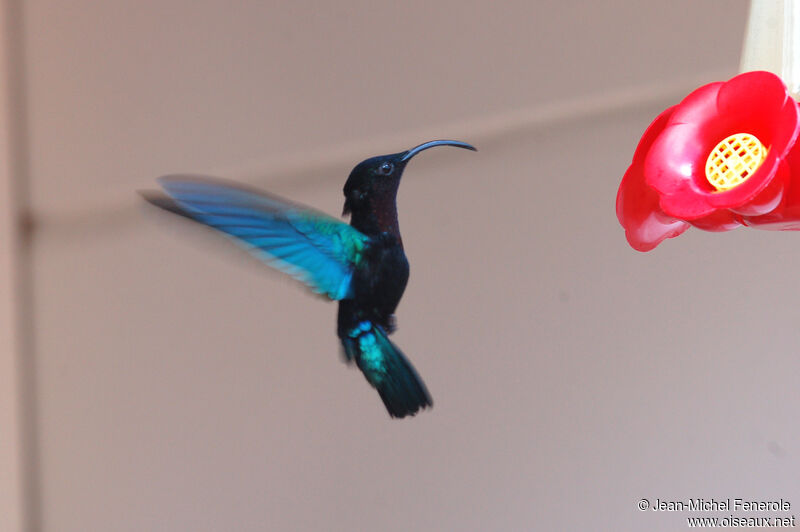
(432, 144)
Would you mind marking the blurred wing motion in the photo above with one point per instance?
(312, 247)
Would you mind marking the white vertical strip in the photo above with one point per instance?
(791, 42)
(11, 487)
(772, 39)
(763, 39)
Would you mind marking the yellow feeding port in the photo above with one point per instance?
(733, 160)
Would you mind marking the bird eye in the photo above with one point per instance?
(386, 168)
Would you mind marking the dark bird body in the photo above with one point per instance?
(362, 265)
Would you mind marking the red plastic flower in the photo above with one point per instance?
(716, 161)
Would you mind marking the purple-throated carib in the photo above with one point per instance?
(361, 265)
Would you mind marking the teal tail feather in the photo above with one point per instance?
(387, 370)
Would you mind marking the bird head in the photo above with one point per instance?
(377, 178)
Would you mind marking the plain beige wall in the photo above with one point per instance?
(11, 470)
(180, 386)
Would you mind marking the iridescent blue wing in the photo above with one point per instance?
(312, 247)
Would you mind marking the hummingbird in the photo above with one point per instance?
(362, 265)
